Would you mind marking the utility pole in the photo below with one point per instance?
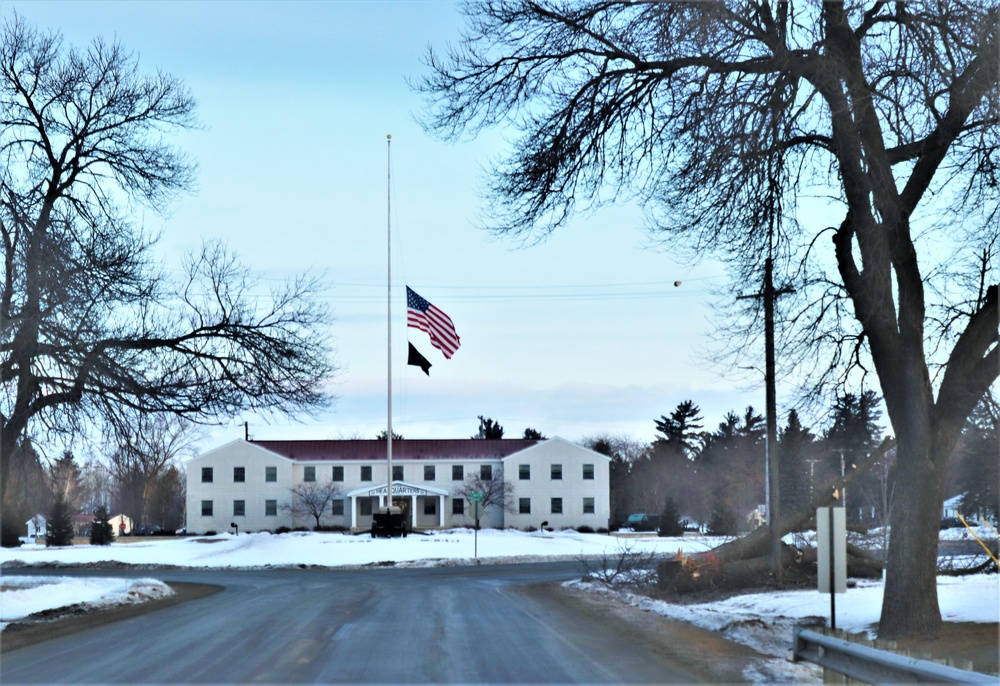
(768, 294)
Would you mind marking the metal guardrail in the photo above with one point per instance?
(873, 666)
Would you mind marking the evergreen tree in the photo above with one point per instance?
(853, 434)
(724, 521)
(100, 529)
(59, 528)
(489, 429)
(533, 435)
(671, 523)
(67, 478)
(682, 428)
(796, 465)
(980, 469)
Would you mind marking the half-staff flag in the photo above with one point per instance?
(418, 360)
(420, 314)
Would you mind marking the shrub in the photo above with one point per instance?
(585, 529)
(282, 530)
(210, 533)
(100, 529)
(330, 528)
(530, 529)
(10, 527)
(670, 520)
(59, 527)
(723, 521)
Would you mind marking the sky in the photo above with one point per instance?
(583, 334)
(762, 621)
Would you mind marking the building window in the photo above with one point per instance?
(556, 472)
(270, 474)
(588, 472)
(206, 508)
(310, 475)
(524, 472)
(457, 473)
(397, 472)
(457, 506)
(429, 472)
(366, 473)
(557, 506)
(486, 472)
(338, 507)
(430, 506)
(524, 505)
(239, 475)
(239, 508)
(206, 475)
(366, 506)
(338, 473)
(270, 508)
(588, 506)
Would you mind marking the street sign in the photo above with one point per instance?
(476, 497)
(476, 511)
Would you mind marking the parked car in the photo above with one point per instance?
(148, 530)
(952, 523)
(643, 522)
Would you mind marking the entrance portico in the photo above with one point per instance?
(411, 496)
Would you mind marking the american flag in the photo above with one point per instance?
(420, 314)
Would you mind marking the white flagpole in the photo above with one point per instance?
(388, 216)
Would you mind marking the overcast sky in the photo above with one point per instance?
(583, 334)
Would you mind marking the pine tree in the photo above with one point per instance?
(723, 522)
(100, 530)
(60, 526)
(670, 520)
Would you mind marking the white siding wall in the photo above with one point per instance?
(572, 488)
(223, 490)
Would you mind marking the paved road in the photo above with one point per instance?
(491, 624)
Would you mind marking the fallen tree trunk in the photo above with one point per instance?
(757, 541)
(746, 560)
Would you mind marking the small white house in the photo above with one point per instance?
(36, 527)
(121, 525)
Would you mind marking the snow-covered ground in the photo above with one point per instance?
(762, 621)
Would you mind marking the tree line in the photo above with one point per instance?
(137, 473)
(715, 478)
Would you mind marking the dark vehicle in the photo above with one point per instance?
(388, 522)
(952, 523)
(148, 530)
(643, 522)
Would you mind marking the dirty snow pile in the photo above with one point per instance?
(22, 596)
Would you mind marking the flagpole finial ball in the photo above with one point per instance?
(677, 283)
(388, 136)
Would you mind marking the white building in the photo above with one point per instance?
(249, 483)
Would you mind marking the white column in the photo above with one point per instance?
(354, 511)
(413, 512)
(441, 511)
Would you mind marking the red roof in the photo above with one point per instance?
(405, 449)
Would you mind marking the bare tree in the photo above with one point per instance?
(495, 491)
(312, 499)
(91, 329)
(141, 453)
(719, 117)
